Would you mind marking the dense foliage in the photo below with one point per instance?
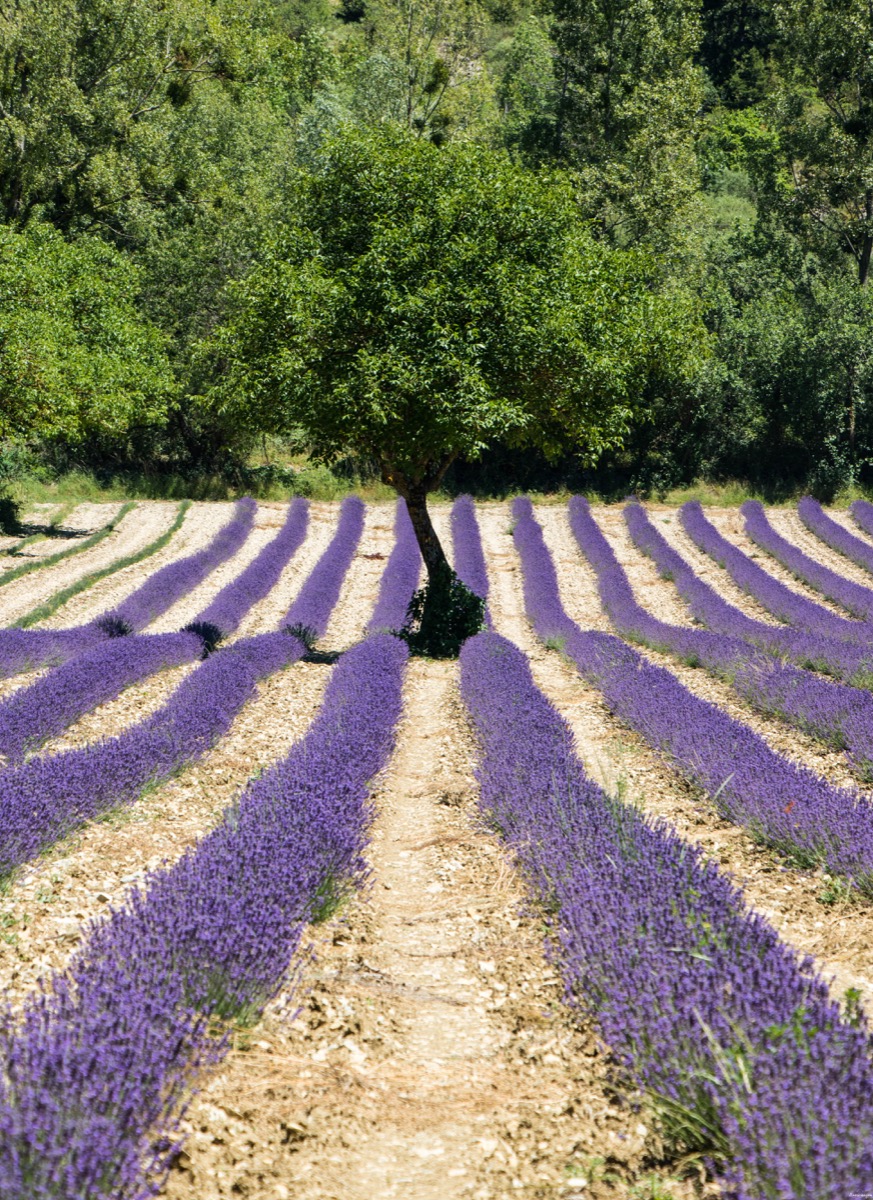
(158, 161)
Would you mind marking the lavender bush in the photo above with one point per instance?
(32, 715)
(469, 560)
(259, 578)
(839, 715)
(833, 534)
(732, 1035)
(862, 511)
(400, 578)
(856, 599)
(44, 709)
(853, 663)
(785, 604)
(46, 798)
(163, 588)
(781, 804)
(316, 599)
(97, 1066)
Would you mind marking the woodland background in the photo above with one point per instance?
(150, 151)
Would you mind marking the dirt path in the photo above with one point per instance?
(42, 916)
(432, 1058)
(202, 522)
(141, 526)
(839, 936)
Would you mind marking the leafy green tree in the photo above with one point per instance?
(527, 91)
(427, 302)
(419, 63)
(629, 95)
(820, 184)
(76, 358)
(786, 399)
(736, 48)
(90, 92)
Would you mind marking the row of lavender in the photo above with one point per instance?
(27, 649)
(46, 798)
(45, 708)
(784, 805)
(840, 715)
(102, 1058)
(734, 1038)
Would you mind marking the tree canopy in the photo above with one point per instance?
(426, 302)
(112, 373)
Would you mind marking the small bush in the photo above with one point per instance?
(303, 633)
(114, 627)
(209, 634)
(441, 616)
(10, 521)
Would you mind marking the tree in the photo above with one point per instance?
(76, 358)
(419, 63)
(629, 96)
(821, 183)
(90, 96)
(426, 302)
(77, 361)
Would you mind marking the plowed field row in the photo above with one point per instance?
(422, 1046)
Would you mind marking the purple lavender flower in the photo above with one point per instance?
(28, 649)
(783, 805)
(731, 1034)
(786, 605)
(469, 560)
(98, 1066)
(164, 587)
(261, 575)
(44, 709)
(316, 599)
(400, 577)
(856, 599)
(841, 716)
(46, 798)
(852, 663)
(833, 534)
(862, 511)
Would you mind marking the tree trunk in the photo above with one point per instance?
(431, 551)
(867, 243)
(415, 492)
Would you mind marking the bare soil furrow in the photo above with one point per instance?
(432, 1057)
(202, 522)
(141, 526)
(838, 936)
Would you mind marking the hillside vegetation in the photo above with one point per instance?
(701, 173)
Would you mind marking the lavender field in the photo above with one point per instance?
(287, 913)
